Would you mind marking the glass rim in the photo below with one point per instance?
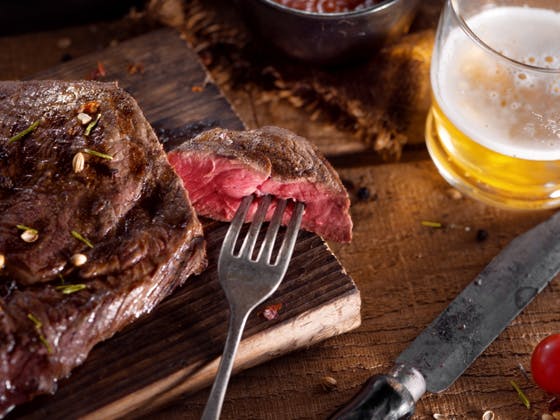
(471, 34)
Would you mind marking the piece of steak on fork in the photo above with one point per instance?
(219, 167)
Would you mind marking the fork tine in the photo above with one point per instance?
(235, 227)
(251, 238)
(265, 252)
(291, 235)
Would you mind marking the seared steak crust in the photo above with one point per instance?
(128, 202)
(219, 167)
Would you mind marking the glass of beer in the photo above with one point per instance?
(494, 127)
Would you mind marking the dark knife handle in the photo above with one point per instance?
(385, 397)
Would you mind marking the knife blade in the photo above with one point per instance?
(448, 346)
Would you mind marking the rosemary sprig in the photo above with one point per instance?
(25, 132)
(27, 228)
(29, 234)
(45, 343)
(98, 154)
(431, 224)
(35, 320)
(521, 395)
(92, 125)
(38, 329)
(79, 237)
(67, 289)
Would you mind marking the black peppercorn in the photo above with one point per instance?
(363, 194)
(66, 57)
(481, 235)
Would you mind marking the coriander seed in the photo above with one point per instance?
(29, 235)
(78, 260)
(84, 118)
(78, 162)
(328, 383)
(488, 415)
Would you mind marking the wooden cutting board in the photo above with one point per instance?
(176, 348)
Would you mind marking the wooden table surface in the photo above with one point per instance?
(407, 273)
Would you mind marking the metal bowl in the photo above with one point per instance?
(329, 38)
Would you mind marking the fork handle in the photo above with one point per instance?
(216, 399)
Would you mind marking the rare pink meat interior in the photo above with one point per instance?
(219, 167)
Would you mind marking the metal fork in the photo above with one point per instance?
(247, 282)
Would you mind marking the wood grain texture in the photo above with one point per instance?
(420, 270)
(175, 350)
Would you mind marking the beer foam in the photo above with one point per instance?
(508, 108)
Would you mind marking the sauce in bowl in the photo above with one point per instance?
(328, 6)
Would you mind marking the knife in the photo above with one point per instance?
(447, 347)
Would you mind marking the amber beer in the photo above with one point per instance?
(494, 127)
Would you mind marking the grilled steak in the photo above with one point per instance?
(125, 212)
(219, 167)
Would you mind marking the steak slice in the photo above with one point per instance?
(127, 203)
(219, 167)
